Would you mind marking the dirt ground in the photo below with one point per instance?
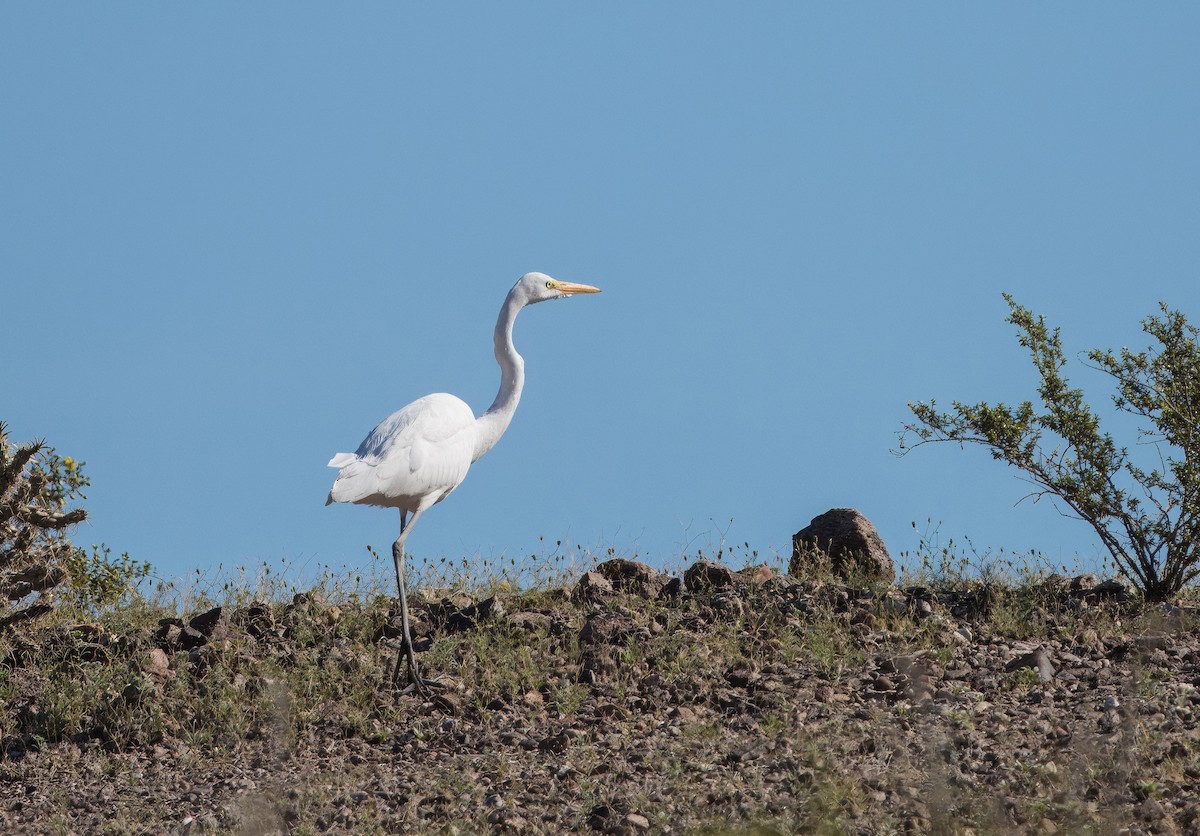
(633, 702)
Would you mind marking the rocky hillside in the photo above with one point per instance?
(628, 702)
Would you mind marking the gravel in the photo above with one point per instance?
(742, 700)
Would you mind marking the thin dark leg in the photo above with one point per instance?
(407, 650)
(414, 676)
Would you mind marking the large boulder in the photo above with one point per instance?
(845, 540)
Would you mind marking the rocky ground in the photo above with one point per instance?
(631, 702)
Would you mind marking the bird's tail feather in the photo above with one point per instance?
(342, 459)
(355, 481)
(339, 493)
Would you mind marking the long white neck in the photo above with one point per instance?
(492, 424)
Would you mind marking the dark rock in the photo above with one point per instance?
(1083, 583)
(605, 629)
(533, 621)
(848, 541)
(630, 576)
(556, 743)
(703, 576)
(459, 614)
(1109, 590)
(1036, 658)
(159, 663)
(592, 586)
(168, 632)
(599, 642)
(757, 575)
(740, 675)
(257, 619)
(209, 624)
(671, 589)
(191, 638)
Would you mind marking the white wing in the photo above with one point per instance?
(414, 458)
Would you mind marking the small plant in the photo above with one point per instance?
(98, 580)
(1025, 680)
(1148, 519)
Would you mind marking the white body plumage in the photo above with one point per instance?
(416, 456)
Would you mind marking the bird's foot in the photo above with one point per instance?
(409, 673)
(421, 685)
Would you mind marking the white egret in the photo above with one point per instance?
(416, 457)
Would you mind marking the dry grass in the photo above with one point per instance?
(745, 707)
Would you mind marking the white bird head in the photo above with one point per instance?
(538, 287)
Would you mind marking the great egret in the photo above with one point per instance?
(416, 457)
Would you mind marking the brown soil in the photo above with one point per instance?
(633, 702)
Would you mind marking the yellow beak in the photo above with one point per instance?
(568, 288)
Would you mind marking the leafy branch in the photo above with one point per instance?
(1148, 520)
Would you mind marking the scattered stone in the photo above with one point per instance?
(637, 821)
(735, 700)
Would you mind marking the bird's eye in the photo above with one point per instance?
(549, 284)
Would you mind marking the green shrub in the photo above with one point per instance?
(36, 557)
(1148, 519)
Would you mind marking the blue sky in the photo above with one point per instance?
(235, 236)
